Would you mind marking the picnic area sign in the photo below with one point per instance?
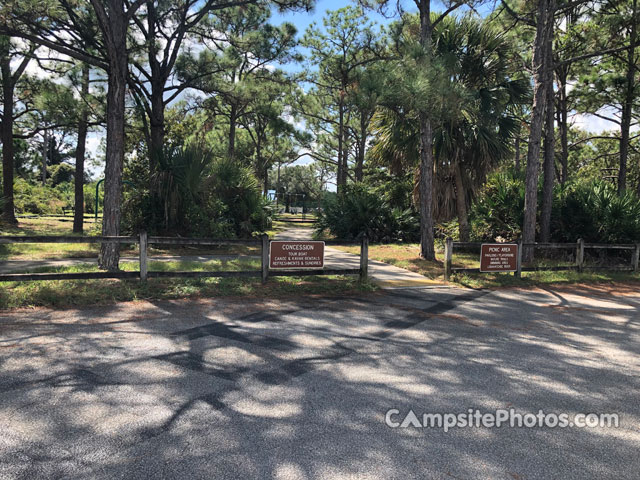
(499, 257)
(296, 254)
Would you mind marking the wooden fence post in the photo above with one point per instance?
(580, 255)
(143, 256)
(364, 259)
(448, 255)
(265, 258)
(518, 272)
(636, 258)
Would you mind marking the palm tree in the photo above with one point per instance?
(475, 132)
(181, 177)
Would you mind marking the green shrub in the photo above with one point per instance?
(61, 173)
(90, 197)
(36, 199)
(396, 190)
(596, 213)
(593, 211)
(499, 209)
(236, 187)
(360, 211)
(195, 194)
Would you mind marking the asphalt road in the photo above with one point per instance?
(298, 389)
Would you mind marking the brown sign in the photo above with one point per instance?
(499, 257)
(296, 254)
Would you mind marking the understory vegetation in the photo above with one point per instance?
(33, 198)
(196, 194)
(361, 211)
(591, 210)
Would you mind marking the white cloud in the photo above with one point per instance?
(593, 124)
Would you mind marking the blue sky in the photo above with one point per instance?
(302, 20)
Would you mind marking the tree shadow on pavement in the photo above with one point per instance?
(299, 388)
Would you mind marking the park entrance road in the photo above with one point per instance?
(298, 389)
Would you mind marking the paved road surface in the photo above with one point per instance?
(298, 389)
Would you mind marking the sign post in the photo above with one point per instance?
(296, 254)
(364, 259)
(448, 255)
(499, 257)
(265, 258)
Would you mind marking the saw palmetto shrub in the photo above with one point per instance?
(360, 211)
(192, 193)
(499, 209)
(596, 213)
(593, 211)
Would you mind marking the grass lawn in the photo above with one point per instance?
(407, 256)
(70, 293)
(297, 216)
(63, 226)
(50, 226)
(47, 226)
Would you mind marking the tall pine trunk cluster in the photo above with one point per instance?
(9, 80)
(549, 138)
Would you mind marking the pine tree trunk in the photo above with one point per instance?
(156, 100)
(262, 167)
(156, 127)
(45, 148)
(266, 181)
(627, 108)
(341, 176)
(517, 154)
(232, 131)
(427, 247)
(549, 146)
(362, 145)
(78, 209)
(535, 131)
(110, 252)
(345, 164)
(8, 215)
(563, 126)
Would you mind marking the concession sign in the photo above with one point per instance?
(499, 257)
(296, 254)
